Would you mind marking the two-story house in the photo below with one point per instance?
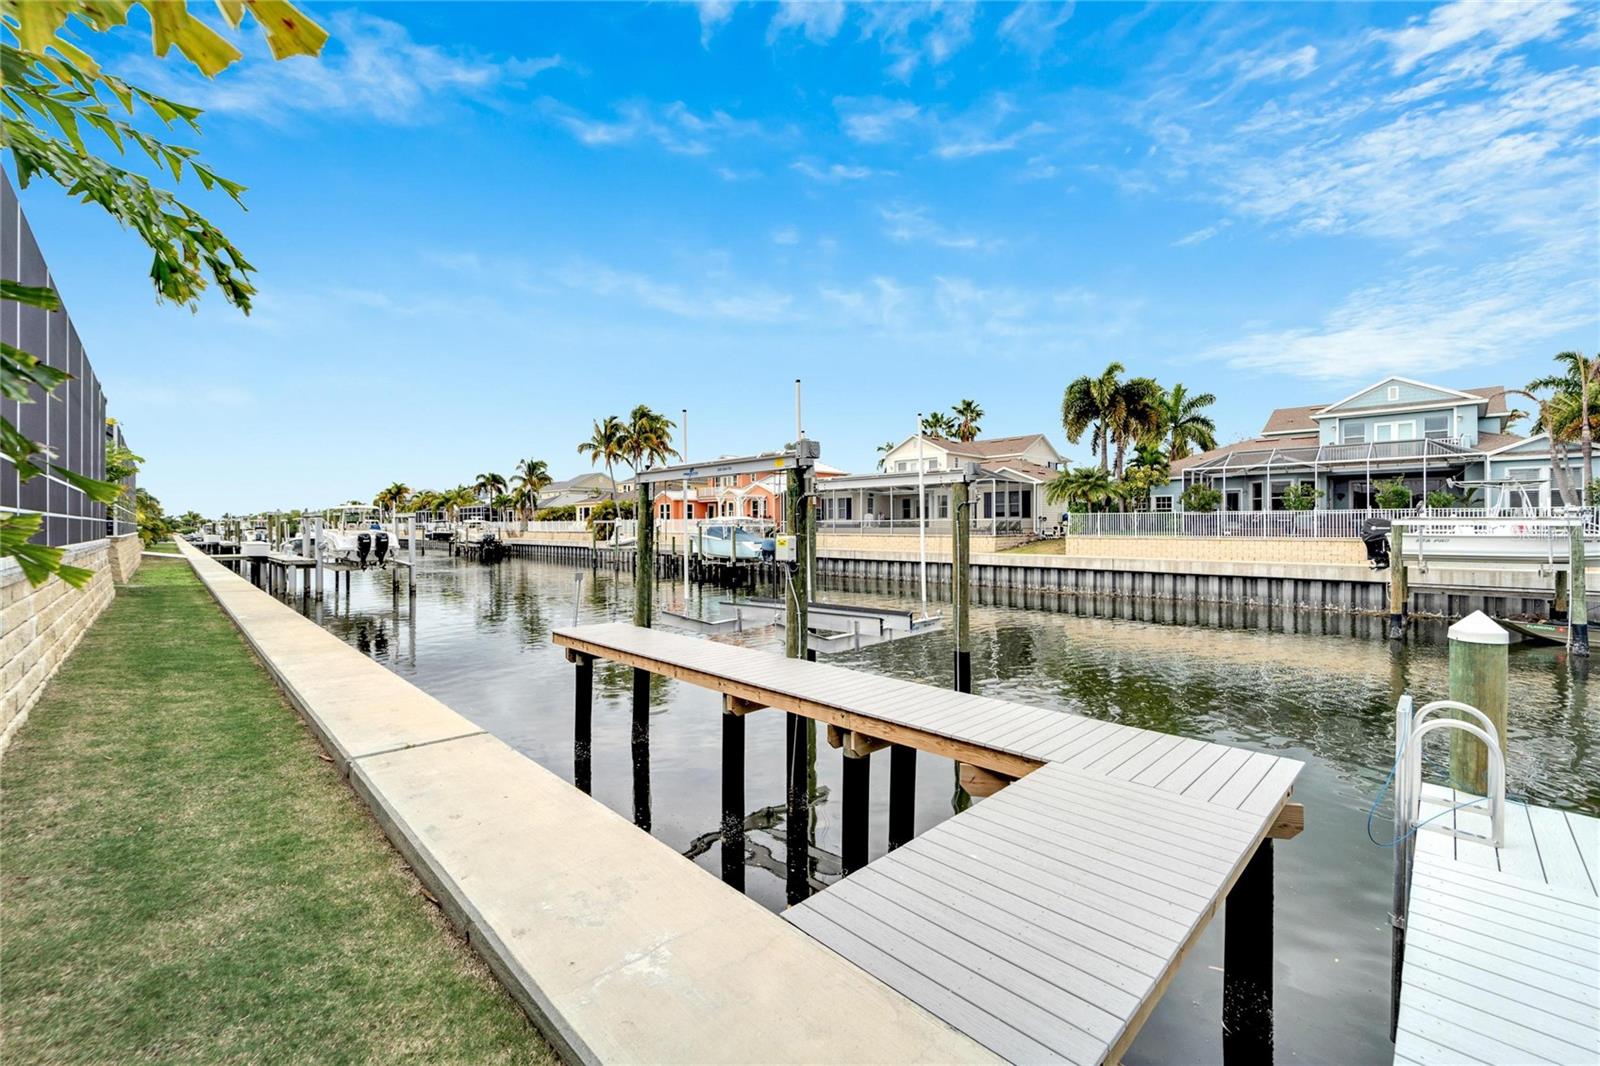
(1008, 488)
(757, 496)
(1427, 437)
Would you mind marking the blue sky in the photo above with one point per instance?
(479, 227)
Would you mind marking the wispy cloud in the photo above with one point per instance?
(915, 34)
(996, 125)
(713, 14)
(1031, 27)
(831, 173)
(671, 126)
(819, 20)
(1205, 233)
(713, 298)
(874, 120)
(786, 235)
(372, 68)
(913, 225)
(1493, 28)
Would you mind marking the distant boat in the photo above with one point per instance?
(725, 540)
(1538, 632)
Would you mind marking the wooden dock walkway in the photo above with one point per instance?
(1046, 921)
(1502, 945)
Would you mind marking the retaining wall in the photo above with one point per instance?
(1346, 551)
(39, 626)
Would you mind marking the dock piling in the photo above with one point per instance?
(1480, 651)
(960, 590)
(1578, 611)
(732, 795)
(1247, 963)
(582, 721)
(857, 799)
(1397, 584)
(902, 794)
(796, 641)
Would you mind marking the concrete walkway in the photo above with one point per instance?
(619, 948)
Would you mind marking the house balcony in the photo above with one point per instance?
(1441, 448)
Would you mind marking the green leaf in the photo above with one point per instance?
(21, 368)
(96, 490)
(33, 295)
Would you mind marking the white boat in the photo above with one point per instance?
(357, 538)
(728, 539)
(1518, 541)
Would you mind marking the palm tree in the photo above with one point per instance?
(647, 439)
(1087, 405)
(1576, 410)
(1548, 422)
(454, 499)
(605, 445)
(1183, 424)
(500, 503)
(425, 500)
(1135, 415)
(1087, 487)
(883, 452)
(530, 479)
(967, 415)
(939, 425)
(392, 497)
(488, 485)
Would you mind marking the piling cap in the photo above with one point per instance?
(1479, 628)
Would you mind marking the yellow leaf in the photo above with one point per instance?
(203, 46)
(232, 10)
(38, 21)
(289, 31)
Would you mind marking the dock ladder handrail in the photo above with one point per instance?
(1412, 729)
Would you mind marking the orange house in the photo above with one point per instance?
(730, 496)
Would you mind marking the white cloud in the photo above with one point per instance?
(965, 145)
(1031, 27)
(713, 14)
(819, 20)
(874, 120)
(672, 126)
(831, 174)
(786, 235)
(1426, 321)
(1200, 236)
(1497, 27)
(911, 34)
(912, 225)
(372, 67)
(716, 298)
(1294, 64)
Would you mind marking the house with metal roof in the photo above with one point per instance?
(1427, 437)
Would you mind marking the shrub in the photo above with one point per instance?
(1301, 496)
(556, 514)
(610, 509)
(1442, 499)
(1202, 499)
(1393, 495)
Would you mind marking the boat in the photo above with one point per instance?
(355, 538)
(1537, 632)
(1504, 540)
(731, 541)
(476, 536)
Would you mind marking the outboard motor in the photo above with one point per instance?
(363, 546)
(490, 550)
(380, 546)
(1375, 537)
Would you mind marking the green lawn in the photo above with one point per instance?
(183, 877)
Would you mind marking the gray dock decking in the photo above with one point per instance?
(1502, 945)
(1045, 921)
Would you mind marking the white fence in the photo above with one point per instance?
(1307, 524)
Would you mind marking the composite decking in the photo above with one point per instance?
(1045, 921)
(1502, 945)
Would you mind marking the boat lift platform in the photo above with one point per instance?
(834, 627)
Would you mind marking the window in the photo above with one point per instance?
(944, 506)
(1353, 432)
(951, 462)
(725, 482)
(664, 511)
(1391, 431)
(1163, 503)
(902, 465)
(1394, 393)
(931, 464)
(1435, 426)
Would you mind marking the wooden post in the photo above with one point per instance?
(1247, 963)
(902, 795)
(960, 590)
(1397, 584)
(796, 822)
(582, 722)
(732, 794)
(1558, 605)
(856, 801)
(1578, 610)
(643, 588)
(1479, 653)
(641, 749)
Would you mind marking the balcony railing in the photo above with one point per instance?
(1379, 451)
(1306, 524)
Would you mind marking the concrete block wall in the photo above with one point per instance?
(125, 557)
(39, 626)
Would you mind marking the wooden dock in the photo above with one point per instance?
(1045, 922)
(1502, 945)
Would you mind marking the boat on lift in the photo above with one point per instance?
(479, 537)
(356, 537)
(732, 540)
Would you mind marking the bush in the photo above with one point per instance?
(1301, 496)
(1202, 499)
(1393, 495)
(568, 513)
(1442, 499)
(611, 509)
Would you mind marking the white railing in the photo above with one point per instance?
(1305, 524)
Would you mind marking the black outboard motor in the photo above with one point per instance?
(380, 546)
(363, 546)
(490, 550)
(1375, 537)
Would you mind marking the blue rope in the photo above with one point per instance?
(1372, 811)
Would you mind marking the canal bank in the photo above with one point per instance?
(186, 880)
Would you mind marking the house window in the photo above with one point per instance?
(1394, 393)
(1391, 431)
(1163, 503)
(944, 506)
(664, 511)
(1435, 426)
(902, 466)
(951, 462)
(1353, 432)
(725, 482)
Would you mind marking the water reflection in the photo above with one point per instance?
(1312, 686)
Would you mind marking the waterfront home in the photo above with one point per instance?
(1008, 486)
(1428, 437)
(731, 495)
(582, 493)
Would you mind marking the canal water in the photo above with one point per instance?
(1320, 688)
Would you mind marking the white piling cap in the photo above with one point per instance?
(1479, 628)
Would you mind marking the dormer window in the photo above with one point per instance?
(1394, 393)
